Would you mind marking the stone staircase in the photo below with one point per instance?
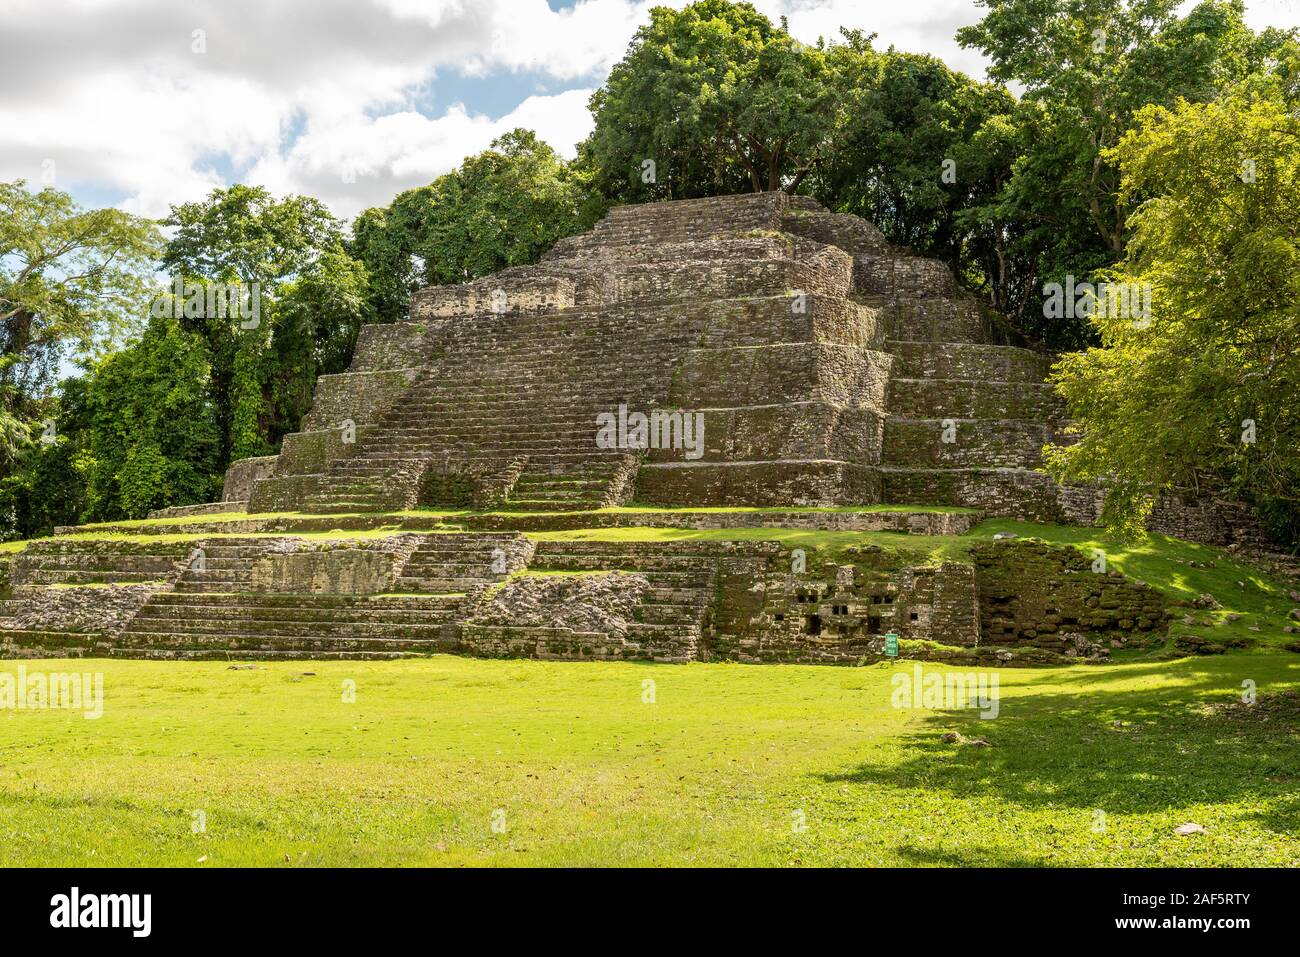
(222, 565)
(669, 622)
(828, 368)
(252, 626)
(967, 416)
(463, 562)
(642, 312)
(515, 401)
(217, 607)
(73, 561)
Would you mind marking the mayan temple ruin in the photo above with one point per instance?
(751, 362)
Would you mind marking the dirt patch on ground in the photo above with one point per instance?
(1278, 708)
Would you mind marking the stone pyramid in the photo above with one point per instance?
(427, 504)
(830, 368)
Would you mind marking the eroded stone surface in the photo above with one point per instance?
(828, 368)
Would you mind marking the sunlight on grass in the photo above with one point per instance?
(287, 772)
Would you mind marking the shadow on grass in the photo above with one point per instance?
(1091, 740)
(943, 857)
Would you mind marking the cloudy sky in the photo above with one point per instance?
(145, 103)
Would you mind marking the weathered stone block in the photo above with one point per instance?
(242, 474)
(497, 295)
(788, 372)
(357, 397)
(787, 482)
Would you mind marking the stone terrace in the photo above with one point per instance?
(829, 369)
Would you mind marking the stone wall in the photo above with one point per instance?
(492, 295)
(974, 399)
(358, 397)
(1039, 594)
(770, 613)
(86, 610)
(242, 474)
(789, 482)
(344, 567)
(979, 443)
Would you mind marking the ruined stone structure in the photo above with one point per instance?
(826, 367)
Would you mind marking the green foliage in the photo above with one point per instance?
(317, 318)
(1086, 68)
(719, 99)
(44, 487)
(924, 153)
(150, 436)
(503, 207)
(311, 306)
(71, 282)
(1216, 233)
(244, 234)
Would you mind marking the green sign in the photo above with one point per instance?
(891, 645)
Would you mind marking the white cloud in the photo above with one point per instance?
(293, 93)
(922, 26)
(116, 96)
(364, 162)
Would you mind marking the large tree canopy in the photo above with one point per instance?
(719, 100)
(71, 281)
(1086, 67)
(311, 306)
(923, 152)
(502, 207)
(1208, 387)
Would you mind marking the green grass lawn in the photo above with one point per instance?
(1088, 766)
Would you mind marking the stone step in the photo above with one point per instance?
(219, 585)
(160, 616)
(252, 627)
(98, 562)
(240, 643)
(549, 505)
(72, 576)
(962, 360)
(951, 318)
(636, 563)
(660, 593)
(459, 565)
(247, 654)
(373, 466)
(1009, 492)
(537, 480)
(438, 584)
(59, 643)
(535, 493)
(974, 399)
(660, 613)
(991, 443)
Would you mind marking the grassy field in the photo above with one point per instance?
(1087, 765)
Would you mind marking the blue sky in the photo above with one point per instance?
(146, 103)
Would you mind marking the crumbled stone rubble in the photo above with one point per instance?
(103, 610)
(601, 603)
